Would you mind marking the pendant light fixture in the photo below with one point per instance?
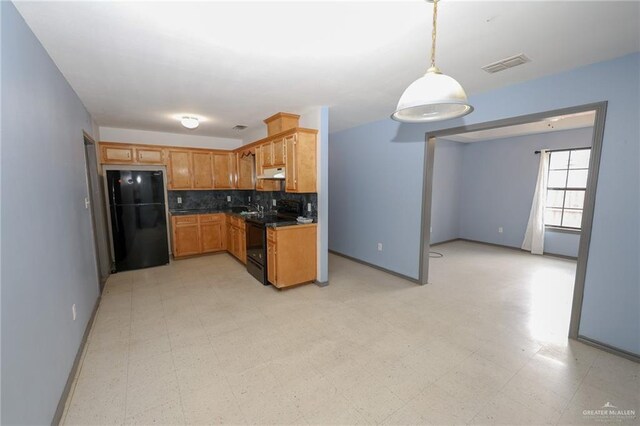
(434, 96)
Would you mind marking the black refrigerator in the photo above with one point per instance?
(138, 219)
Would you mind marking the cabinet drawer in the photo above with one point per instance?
(206, 218)
(185, 220)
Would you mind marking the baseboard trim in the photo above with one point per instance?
(607, 348)
(380, 268)
(445, 242)
(57, 417)
(562, 256)
(322, 283)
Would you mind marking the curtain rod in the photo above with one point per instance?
(565, 149)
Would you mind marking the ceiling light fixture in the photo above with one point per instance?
(434, 96)
(190, 122)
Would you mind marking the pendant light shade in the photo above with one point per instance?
(434, 96)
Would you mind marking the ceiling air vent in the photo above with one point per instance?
(239, 128)
(503, 64)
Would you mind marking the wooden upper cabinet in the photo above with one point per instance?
(202, 170)
(291, 183)
(300, 159)
(223, 171)
(146, 155)
(114, 154)
(278, 152)
(267, 155)
(245, 166)
(179, 169)
(265, 184)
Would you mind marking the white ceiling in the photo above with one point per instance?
(141, 64)
(552, 124)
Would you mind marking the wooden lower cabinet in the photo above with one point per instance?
(197, 234)
(212, 236)
(186, 240)
(291, 255)
(236, 238)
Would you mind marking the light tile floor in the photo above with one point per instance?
(201, 342)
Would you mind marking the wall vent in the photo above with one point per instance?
(503, 64)
(239, 128)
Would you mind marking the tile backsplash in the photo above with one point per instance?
(218, 199)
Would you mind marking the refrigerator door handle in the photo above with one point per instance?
(115, 219)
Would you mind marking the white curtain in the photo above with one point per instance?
(534, 236)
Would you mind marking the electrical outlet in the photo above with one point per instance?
(273, 203)
(73, 311)
(229, 198)
(500, 230)
(249, 198)
(379, 246)
(179, 200)
(86, 203)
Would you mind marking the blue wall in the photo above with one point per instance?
(447, 198)
(48, 260)
(375, 188)
(376, 172)
(499, 182)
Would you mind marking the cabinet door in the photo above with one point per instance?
(278, 151)
(237, 237)
(222, 171)
(236, 246)
(271, 263)
(117, 155)
(229, 238)
(291, 177)
(259, 182)
(180, 169)
(243, 245)
(202, 171)
(246, 172)
(267, 154)
(186, 240)
(149, 155)
(211, 236)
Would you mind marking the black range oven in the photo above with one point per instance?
(256, 235)
(257, 250)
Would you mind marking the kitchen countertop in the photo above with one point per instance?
(184, 212)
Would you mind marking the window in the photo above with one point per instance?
(566, 186)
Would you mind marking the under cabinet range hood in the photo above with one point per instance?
(274, 173)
